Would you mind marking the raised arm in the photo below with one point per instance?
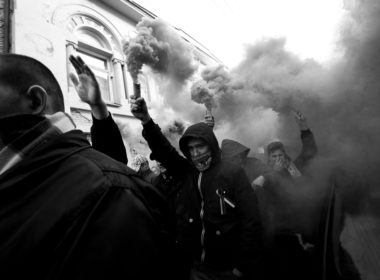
(309, 146)
(161, 148)
(105, 134)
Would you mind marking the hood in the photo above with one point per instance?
(231, 149)
(204, 132)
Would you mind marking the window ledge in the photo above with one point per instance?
(117, 105)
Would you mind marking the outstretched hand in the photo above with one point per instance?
(301, 120)
(139, 109)
(87, 87)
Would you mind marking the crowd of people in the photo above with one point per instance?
(74, 210)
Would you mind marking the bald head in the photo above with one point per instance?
(28, 86)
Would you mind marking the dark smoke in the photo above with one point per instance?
(171, 59)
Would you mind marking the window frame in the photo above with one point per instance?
(104, 54)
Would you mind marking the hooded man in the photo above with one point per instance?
(66, 210)
(237, 153)
(218, 222)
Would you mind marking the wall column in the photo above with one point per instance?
(119, 80)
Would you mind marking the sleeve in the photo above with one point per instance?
(250, 252)
(107, 139)
(309, 149)
(163, 151)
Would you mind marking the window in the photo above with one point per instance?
(94, 52)
(102, 52)
(101, 66)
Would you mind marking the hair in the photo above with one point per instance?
(20, 72)
(274, 146)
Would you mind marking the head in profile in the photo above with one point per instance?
(27, 87)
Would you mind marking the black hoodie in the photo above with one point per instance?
(230, 240)
(237, 153)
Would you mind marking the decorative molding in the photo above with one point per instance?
(74, 16)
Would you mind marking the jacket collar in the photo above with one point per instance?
(22, 134)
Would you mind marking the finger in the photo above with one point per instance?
(88, 71)
(80, 60)
(82, 65)
(135, 109)
(74, 79)
(76, 64)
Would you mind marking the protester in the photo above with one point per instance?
(66, 210)
(237, 153)
(218, 220)
(279, 160)
(288, 234)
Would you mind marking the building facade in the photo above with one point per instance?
(52, 30)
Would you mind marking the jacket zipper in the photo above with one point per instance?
(201, 215)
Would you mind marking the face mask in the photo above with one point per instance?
(202, 162)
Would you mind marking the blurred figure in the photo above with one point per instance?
(141, 165)
(282, 194)
(68, 211)
(279, 160)
(237, 153)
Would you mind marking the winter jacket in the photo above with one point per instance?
(238, 153)
(219, 241)
(70, 212)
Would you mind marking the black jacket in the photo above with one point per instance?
(70, 212)
(221, 241)
(106, 138)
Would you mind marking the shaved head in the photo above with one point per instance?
(18, 73)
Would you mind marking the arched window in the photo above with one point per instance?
(97, 46)
(96, 53)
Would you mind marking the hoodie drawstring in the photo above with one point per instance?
(201, 215)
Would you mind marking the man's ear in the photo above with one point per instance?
(37, 97)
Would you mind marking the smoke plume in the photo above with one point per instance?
(159, 47)
(215, 82)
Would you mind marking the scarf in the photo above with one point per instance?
(202, 162)
(22, 134)
(293, 170)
